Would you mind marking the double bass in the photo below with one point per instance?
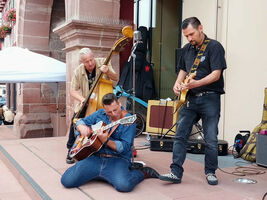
(101, 86)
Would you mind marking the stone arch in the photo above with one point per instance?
(37, 109)
(33, 25)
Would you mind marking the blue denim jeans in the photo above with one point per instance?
(206, 108)
(114, 170)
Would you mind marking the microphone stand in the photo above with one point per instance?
(133, 71)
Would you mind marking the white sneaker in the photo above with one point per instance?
(170, 177)
(211, 179)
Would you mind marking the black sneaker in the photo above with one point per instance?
(211, 179)
(69, 160)
(149, 172)
(170, 177)
(136, 165)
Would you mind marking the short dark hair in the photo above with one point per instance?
(109, 98)
(194, 21)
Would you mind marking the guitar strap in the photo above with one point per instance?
(199, 55)
(197, 59)
(123, 113)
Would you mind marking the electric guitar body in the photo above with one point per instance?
(182, 97)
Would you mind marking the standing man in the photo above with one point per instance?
(83, 79)
(113, 160)
(203, 100)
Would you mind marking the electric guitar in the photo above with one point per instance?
(84, 146)
(182, 97)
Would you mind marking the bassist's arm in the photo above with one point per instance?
(108, 70)
(112, 74)
(77, 95)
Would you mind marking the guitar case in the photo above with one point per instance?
(194, 146)
(161, 144)
(198, 147)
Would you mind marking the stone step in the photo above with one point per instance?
(32, 168)
(36, 165)
(10, 186)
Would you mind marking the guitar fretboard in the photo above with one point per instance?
(111, 125)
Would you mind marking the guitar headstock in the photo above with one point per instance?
(128, 120)
(127, 31)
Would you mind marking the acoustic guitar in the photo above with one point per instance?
(182, 97)
(84, 146)
(93, 100)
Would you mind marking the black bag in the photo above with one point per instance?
(145, 87)
(241, 140)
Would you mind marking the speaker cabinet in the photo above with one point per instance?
(161, 117)
(261, 153)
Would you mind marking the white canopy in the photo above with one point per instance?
(18, 65)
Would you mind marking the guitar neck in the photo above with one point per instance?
(108, 57)
(111, 125)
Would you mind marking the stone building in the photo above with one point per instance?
(60, 28)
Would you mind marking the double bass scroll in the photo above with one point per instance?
(101, 86)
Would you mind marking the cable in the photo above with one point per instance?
(244, 170)
(264, 196)
(238, 171)
(141, 147)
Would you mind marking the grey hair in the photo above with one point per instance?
(84, 51)
(5, 108)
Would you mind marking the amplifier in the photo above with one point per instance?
(161, 117)
(261, 153)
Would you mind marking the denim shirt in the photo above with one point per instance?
(123, 136)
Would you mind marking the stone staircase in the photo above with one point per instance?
(32, 168)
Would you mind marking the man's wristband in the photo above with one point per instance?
(105, 143)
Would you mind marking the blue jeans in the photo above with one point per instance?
(114, 170)
(206, 107)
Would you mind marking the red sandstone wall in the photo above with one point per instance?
(36, 102)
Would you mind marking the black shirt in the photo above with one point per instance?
(91, 77)
(213, 59)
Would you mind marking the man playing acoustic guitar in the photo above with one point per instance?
(112, 161)
(204, 58)
(84, 76)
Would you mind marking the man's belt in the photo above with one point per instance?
(200, 94)
(106, 155)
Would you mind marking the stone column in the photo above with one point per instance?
(93, 24)
(12, 97)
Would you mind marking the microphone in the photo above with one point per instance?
(137, 37)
